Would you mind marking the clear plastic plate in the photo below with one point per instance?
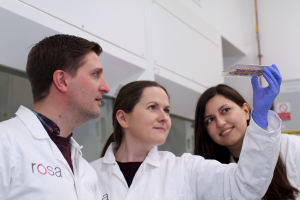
(243, 70)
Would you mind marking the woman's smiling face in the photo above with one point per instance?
(226, 122)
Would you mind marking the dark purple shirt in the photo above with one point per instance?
(129, 170)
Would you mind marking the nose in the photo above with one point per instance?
(220, 121)
(163, 116)
(104, 88)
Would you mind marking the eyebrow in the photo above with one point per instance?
(100, 70)
(97, 69)
(157, 104)
(218, 111)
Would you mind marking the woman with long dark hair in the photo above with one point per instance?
(133, 168)
(221, 119)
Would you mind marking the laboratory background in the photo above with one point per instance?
(182, 44)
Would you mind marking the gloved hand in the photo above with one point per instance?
(264, 97)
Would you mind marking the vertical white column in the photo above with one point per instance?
(149, 73)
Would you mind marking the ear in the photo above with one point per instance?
(122, 118)
(246, 109)
(59, 80)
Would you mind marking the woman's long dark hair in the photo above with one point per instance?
(128, 96)
(280, 187)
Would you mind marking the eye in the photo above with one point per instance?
(96, 74)
(167, 110)
(153, 107)
(225, 110)
(208, 121)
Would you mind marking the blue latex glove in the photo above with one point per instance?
(264, 97)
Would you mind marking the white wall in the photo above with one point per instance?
(235, 20)
(279, 26)
(207, 10)
(162, 40)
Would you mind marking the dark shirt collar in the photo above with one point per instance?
(48, 124)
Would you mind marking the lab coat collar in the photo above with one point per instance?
(152, 158)
(36, 128)
(32, 123)
(109, 157)
(76, 145)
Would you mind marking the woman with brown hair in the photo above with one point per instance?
(221, 119)
(133, 168)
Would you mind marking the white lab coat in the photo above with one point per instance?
(32, 167)
(290, 155)
(163, 176)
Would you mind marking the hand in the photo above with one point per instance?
(264, 97)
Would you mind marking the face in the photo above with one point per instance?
(149, 122)
(87, 87)
(226, 121)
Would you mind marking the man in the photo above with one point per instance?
(39, 159)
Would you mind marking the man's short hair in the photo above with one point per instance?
(58, 52)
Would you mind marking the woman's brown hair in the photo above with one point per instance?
(280, 187)
(128, 96)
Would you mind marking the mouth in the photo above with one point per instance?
(99, 100)
(160, 128)
(226, 132)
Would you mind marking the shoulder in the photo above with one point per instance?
(289, 141)
(290, 148)
(96, 164)
(87, 171)
(10, 141)
(290, 155)
(10, 124)
(187, 159)
(288, 137)
(166, 155)
(11, 127)
(88, 167)
(78, 155)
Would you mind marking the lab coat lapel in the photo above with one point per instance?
(116, 170)
(75, 156)
(32, 123)
(109, 158)
(78, 167)
(38, 131)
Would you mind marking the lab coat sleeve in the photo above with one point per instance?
(250, 178)
(6, 164)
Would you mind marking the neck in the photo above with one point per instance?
(236, 149)
(59, 113)
(131, 151)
